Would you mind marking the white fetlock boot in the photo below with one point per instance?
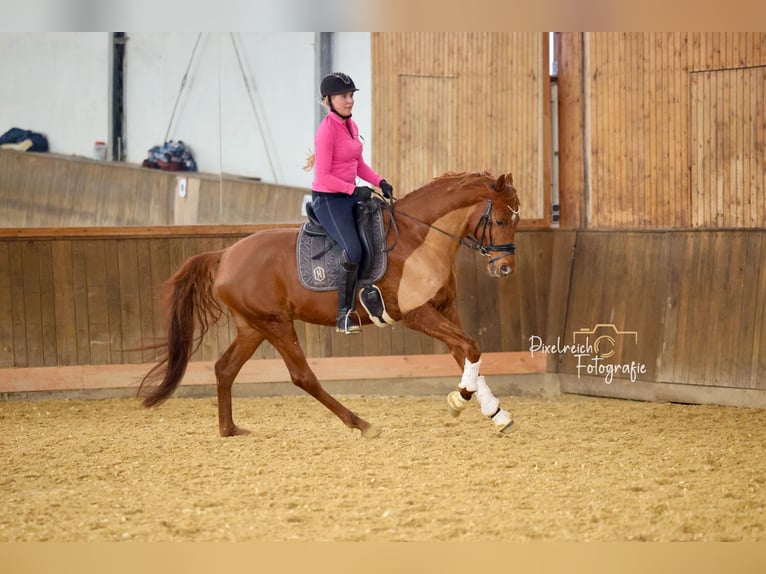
(490, 407)
(456, 403)
(455, 400)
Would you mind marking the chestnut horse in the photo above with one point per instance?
(257, 279)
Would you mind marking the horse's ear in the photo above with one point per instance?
(505, 180)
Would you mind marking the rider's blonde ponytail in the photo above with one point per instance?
(309, 161)
(310, 157)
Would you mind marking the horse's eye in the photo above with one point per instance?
(500, 222)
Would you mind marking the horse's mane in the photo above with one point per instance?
(450, 180)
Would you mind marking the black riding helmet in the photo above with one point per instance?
(336, 83)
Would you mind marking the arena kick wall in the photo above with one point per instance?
(83, 308)
(81, 304)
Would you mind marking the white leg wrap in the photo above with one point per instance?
(487, 401)
(470, 375)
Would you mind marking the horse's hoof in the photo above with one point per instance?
(456, 403)
(508, 429)
(371, 431)
(236, 431)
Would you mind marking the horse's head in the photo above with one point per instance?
(493, 224)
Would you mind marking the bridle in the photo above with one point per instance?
(477, 243)
(480, 240)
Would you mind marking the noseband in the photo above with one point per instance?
(481, 239)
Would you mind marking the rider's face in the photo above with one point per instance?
(343, 103)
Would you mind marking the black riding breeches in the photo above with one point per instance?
(335, 211)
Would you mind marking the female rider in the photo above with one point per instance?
(338, 161)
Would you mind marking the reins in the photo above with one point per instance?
(472, 241)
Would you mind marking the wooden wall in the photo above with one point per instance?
(694, 299)
(49, 190)
(90, 297)
(672, 127)
(689, 304)
(473, 101)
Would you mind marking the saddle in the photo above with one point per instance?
(319, 255)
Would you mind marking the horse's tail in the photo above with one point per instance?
(190, 300)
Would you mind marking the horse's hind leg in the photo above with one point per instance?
(284, 339)
(226, 369)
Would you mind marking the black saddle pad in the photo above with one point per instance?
(319, 256)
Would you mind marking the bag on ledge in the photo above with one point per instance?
(171, 156)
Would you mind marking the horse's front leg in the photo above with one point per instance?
(444, 326)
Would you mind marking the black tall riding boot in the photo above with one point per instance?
(348, 320)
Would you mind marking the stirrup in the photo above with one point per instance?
(372, 300)
(345, 324)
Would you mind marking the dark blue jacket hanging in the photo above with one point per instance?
(17, 135)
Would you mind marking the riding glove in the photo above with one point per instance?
(387, 189)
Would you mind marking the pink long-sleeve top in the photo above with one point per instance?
(338, 157)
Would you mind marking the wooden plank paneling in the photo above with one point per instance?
(608, 287)
(468, 101)
(695, 300)
(6, 307)
(670, 335)
(32, 317)
(146, 292)
(130, 301)
(530, 283)
(571, 130)
(562, 257)
(673, 130)
(98, 311)
(728, 128)
(509, 306)
(160, 269)
(80, 301)
(85, 299)
(429, 137)
(19, 337)
(47, 304)
(231, 200)
(48, 190)
(113, 307)
(758, 359)
(63, 276)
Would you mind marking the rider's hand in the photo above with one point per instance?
(387, 189)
